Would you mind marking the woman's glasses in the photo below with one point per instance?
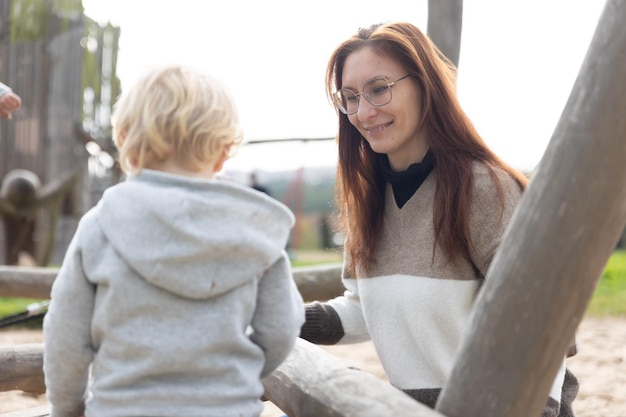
(376, 91)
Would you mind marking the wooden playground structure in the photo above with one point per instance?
(63, 65)
(535, 293)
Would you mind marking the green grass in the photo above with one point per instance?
(609, 297)
(9, 305)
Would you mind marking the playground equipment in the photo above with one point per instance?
(21, 197)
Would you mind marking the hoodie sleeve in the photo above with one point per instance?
(66, 328)
(279, 314)
(489, 216)
(4, 89)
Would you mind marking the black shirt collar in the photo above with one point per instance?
(405, 183)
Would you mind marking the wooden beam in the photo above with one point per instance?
(555, 249)
(320, 283)
(18, 281)
(313, 383)
(21, 368)
(310, 383)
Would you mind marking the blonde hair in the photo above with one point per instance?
(176, 113)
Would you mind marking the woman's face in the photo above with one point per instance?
(392, 128)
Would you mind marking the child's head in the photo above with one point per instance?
(175, 115)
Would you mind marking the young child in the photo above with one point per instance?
(175, 296)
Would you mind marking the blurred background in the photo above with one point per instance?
(70, 59)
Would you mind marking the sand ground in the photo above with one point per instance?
(600, 367)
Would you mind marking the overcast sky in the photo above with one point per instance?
(518, 62)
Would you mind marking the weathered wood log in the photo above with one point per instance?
(42, 411)
(445, 23)
(313, 383)
(555, 249)
(18, 281)
(321, 282)
(21, 368)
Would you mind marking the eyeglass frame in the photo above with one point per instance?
(337, 99)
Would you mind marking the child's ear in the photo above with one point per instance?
(219, 164)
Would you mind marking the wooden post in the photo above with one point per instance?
(555, 249)
(445, 26)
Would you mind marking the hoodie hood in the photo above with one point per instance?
(192, 237)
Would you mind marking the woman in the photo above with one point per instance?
(423, 203)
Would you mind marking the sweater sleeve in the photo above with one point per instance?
(322, 325)
(338, 321)
(489, 215)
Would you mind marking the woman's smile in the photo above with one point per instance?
(374, 130)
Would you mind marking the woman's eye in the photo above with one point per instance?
(378, 90)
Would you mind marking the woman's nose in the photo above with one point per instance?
(365, 110)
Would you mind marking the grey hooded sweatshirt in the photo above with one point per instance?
(174, 298)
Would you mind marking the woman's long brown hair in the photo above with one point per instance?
(455, 143)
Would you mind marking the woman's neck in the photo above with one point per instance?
(401, 162)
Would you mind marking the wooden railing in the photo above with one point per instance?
(314, 283)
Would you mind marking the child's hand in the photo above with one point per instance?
(9, 102)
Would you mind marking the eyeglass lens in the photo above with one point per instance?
(377, 91)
